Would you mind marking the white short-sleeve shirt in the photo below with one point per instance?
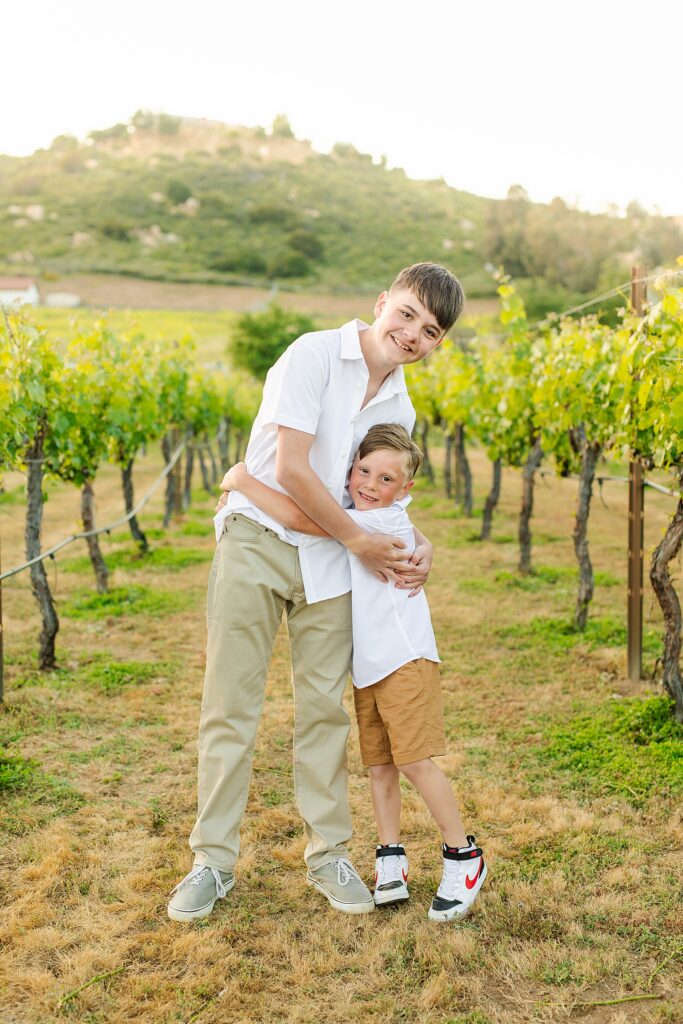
(389, 627)
(317, 386)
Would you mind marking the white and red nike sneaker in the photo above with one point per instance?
(391, 875)
(464, 872)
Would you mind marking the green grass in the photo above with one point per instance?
(13, 497)
(125, 601)
(560, 634)
(196, 529)
(630, 746)
(164, 557)
(29, 796)
(544, 575)
(120, 675)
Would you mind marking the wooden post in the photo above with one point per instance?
(636, 513)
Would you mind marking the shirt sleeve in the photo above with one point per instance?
(383, 520)
(294, 387)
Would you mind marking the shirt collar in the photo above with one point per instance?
(395, 383)
(350, 342)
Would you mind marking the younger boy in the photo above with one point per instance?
(397, 693)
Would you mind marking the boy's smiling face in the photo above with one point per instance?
(379, 479)
(405, 330)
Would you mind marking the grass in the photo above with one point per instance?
(133, 600)
(14, 497)
(164, 557)
(563, 578)
(560, 634)
(631, 747)
(568, 773)
(29, 796)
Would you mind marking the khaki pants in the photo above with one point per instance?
(254, 577)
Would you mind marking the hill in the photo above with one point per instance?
(193, 200)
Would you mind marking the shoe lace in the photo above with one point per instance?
(195, 877)
(451, 878)
(346, 871)
(388, 870)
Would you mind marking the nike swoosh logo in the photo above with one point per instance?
(471, 882)
(405, 876)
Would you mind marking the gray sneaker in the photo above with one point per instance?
(343, 887)
(195, 896)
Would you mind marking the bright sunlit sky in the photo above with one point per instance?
(574, 99)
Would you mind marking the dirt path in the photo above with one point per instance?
(111, 291)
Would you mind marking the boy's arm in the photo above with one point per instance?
(274, 503)
(381, 554)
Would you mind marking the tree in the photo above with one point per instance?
(577, 395)
(261, 338)
(652, 425)
(30, 404)
(281, 127)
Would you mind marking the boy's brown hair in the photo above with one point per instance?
(396, 439)
(436, 288)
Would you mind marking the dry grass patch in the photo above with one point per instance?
(583, 898)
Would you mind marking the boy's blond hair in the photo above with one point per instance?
(436, 288)
(396, 439)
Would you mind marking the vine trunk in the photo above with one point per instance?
(492, 499)
(34, 520)
(590, 453)
(129, 498)
(660, 577)
(532, 463)
(94, 550)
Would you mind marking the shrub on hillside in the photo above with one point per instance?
(177, 191)
(272, 213)
(306, 243)
(289, 264)
(115, 229)
(246, 262)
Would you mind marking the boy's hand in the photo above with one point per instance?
(415, 576)
(382, 555)
(231, 482)
(235, 475)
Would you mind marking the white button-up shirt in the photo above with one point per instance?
(390, 628)
(318, 386)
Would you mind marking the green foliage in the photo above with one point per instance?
(289, 264)
(168, 558)
(630, 746)
(306, 243)
(651, 413)
(24, 786)
(177, 191)
(115, 229)
(115, 676)
(16, 772)
(281, 127)
(134, 600)
(560, 634)
(261, 338)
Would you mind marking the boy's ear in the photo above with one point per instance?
(408, 487)
(381, 302)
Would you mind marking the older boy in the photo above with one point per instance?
(397, 692)
(319, 400)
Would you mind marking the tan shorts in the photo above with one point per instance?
(400, 718)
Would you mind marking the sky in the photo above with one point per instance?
(577, 100)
